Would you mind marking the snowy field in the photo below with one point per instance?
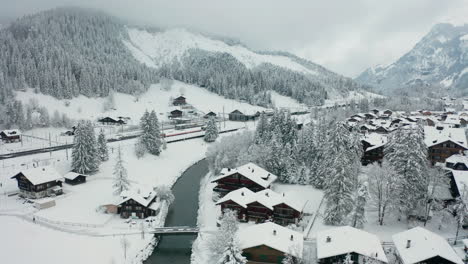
(155, 98)
(79, 205)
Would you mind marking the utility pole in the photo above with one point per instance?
(224, 118)
(66, 149)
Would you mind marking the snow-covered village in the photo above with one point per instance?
(213, 133)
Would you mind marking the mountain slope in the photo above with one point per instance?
(232, 69)
(439, 58)
(67, 52)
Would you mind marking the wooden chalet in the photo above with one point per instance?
(419, 245)
(269, 243)
(179, 101)
(250, 176)
(237, 115)
(74, 178)
(111, 121)
(210, 115)
(138, 204)
(388, 112)
(39, 182)
(10, 136)
(375, 111)
(262, 206)
(333, 245)
(443, 142)
(175, 113)
(458, 182)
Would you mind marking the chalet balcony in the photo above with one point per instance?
(284, 216)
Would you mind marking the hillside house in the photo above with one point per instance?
(443, 142)
(237, 115)
(373, 146)
(250, 176)
(179, 101)
(10, 136)
(458, 182)
(210, 115)
(74, 178)
(175, 113)
(333, 245)
(39, 182)
(419, 245)
(138, 204)
(111, 121)
(269, 243)
(262, 206)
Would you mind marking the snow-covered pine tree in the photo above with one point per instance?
(80, 158)
(102, 146)
(92, 147)
(340, 183)
(358, 216)
(121, 182)
(232, 254)
(226, 233)
(211, 132)
(151, 135)
(262, 129)
(407, 153)
(84, 153)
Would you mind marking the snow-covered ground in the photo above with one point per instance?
(26, 242)
(281, 101)
(79, 206)
(353, 96)
(155, 98)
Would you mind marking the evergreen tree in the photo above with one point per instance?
(102, 147)
(262, 129)
(211, 132)
(226, 233)
(121, 182)
(151, 136)
(232, 254)
(358, 217)
(340, 183)
(84, 153)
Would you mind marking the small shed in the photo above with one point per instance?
(179, 101)
(74, 178)
(111, 121)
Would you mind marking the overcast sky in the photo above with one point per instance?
(347, 36)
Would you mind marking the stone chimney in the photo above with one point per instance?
(328, 239)
(274, 232)
(292, 237)
(408, 243)
(266, 194)
(242, 193)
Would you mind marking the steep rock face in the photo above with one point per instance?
(439, 58)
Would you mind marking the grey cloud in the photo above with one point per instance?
(345, 36)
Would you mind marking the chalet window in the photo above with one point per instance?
(138, 208)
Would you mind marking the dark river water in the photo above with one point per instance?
(177, 249)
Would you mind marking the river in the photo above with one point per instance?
(177, 249)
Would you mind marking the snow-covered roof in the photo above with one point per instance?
(266, 197)
(11, 132)
(424, 245)
(458, 158)
(461, 179)
(141, 195)
(345, 239)
(273, 236)
(242, 197)
(440, 134)
(40, 175)
(72, 175)
(374, 139)
(253, 172)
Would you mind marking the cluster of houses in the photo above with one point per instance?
(417, 245)
(443, 131)
(270, 243)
